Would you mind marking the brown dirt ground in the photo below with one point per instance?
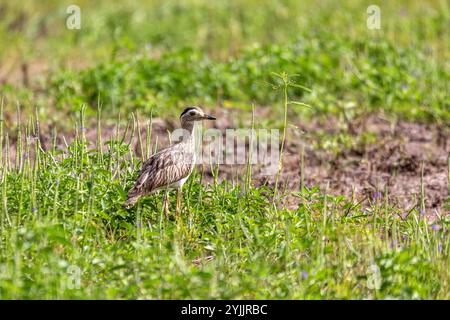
(392, 165)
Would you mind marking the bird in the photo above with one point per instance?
(171, 167)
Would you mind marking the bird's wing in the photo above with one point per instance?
(162, 169)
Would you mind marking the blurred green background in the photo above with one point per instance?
(165, 54)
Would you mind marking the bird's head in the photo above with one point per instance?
(194, 114)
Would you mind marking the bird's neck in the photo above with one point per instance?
(188, 126)
(189, 133)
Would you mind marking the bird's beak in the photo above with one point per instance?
(208, 117)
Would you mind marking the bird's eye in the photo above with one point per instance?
(192, 113)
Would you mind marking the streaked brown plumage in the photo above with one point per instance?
(171, 167)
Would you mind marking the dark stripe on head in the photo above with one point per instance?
(187, 110)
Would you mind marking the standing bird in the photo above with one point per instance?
(171, 167)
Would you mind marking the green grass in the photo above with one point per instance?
(64, 234)
(63, 231)
(380, 77)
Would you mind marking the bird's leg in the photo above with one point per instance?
(178, 201)
(166, 204)
(178, 216)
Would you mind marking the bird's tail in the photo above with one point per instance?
(130, 202)
(132, 199)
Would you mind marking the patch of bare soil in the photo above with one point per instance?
(390, 167)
